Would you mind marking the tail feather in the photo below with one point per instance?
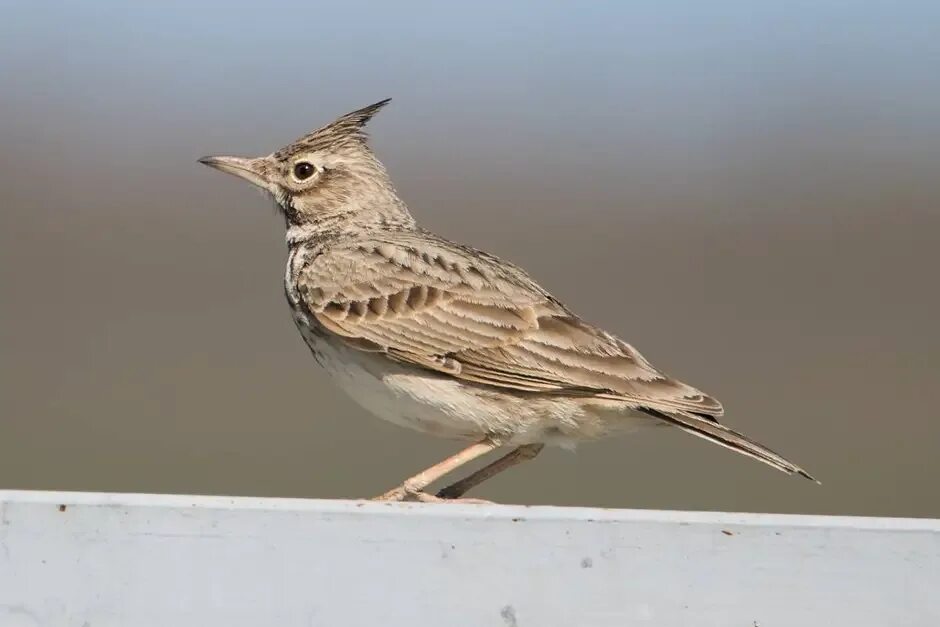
(707, 428)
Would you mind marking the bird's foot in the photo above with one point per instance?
(405, 494)
(424, 497)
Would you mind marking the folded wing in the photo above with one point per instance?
(425, 301)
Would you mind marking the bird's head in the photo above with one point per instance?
(328, 175)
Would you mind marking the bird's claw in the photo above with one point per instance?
(404, 494)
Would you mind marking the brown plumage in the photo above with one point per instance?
(445, 338)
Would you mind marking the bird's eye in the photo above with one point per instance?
(303, 170)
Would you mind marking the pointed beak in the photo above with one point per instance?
(251, 170)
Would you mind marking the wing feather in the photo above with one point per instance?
(460, 312)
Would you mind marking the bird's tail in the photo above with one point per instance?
(711, 430)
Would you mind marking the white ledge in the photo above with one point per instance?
(139, 560)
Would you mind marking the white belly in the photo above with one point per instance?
(396, 394)
(446, 407)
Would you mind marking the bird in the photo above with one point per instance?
(447, 339)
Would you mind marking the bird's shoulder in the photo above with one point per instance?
(381, 264)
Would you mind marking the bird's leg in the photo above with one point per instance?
(414, 486)
(517, 456)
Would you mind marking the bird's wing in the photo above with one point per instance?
(460, 312)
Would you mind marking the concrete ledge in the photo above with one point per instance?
(135, 560)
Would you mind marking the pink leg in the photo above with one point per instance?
(414, 486)
(519, 455)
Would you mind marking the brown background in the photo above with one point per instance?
(751, 198)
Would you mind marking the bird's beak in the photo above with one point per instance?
(252, 170)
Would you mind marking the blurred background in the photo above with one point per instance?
(754, 185)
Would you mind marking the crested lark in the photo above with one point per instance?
(447, 339)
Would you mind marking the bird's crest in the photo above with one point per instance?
(349, 128)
